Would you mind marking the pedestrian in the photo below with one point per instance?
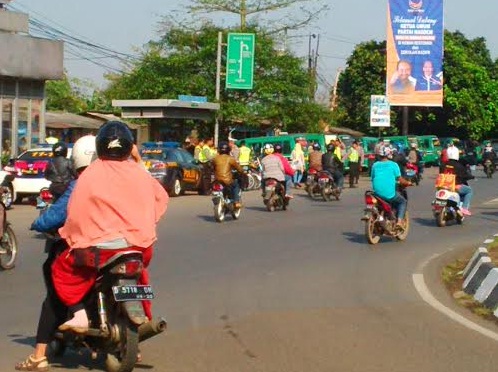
(354, 164)
(297, 163)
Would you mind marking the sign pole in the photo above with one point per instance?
(218, 83)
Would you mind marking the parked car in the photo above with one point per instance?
(175, 168)
(29, 168)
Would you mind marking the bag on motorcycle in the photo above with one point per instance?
(446, 181)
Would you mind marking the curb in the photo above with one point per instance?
(481, 277)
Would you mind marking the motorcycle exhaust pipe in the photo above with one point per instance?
(151, 329)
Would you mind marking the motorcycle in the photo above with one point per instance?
(327, 186)
(117, 319)
(311, 182)
(380, 219)
(274, 195)
(488, 168)
(446, 207)
(7, 187)
(44, 200)
(223, 203)
(412, 173)
(8, 241)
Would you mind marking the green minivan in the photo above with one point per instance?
(431, 149)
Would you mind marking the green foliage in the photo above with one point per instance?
(184, 62)
(63, 96)
(470, 93)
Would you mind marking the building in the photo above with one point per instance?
(26, 62)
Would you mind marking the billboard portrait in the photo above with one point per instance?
(415, 44)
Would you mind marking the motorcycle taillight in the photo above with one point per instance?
(312, 171)
(323, 178)
(45, 195)
(217, 187)
(271, 183)
(370, 199)
(128, 268)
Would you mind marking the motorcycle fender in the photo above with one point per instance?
(216, 200)
(133, 309)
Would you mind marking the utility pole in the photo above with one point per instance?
(404, 127)
(217, 92)
(333, 94)
(312, 60)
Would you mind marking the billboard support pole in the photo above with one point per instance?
(404, 128)
(218, 83)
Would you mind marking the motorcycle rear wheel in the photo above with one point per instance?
(125, 358)
(219, 212)
(325, 191)
(372, 237)
(250, 182)
(270, 204)
(9, 243)
(440, 218)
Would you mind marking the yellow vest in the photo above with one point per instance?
(202, 156)
(354, 155)
(338, 152)
(244, 155)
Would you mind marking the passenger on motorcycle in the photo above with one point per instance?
(385, 177)
(289, 172)
(53, 312)
(223, 165)
(59, 170)
(454, 166)
(333, 165)
(315, 157)
(115, 207)
(488, 153)
(413, 157)
(273, 168)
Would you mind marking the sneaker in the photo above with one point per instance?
(289, 196)
(465, 212)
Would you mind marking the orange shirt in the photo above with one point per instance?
(111, 200)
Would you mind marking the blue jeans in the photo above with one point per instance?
(288, 184)
(235, 191)
(465, 193)
(298, 175)
(400, 204)
(337, 176)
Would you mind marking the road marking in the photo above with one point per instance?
(492, 201)
(423, 291)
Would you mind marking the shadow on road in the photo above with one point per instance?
(259, 209)
(429, 222)
(23, 340)
(354, 237)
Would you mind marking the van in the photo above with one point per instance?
(368, 145)
(430, 146)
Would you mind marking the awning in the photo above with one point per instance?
(66, 120)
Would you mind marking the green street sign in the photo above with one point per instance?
(240, 61)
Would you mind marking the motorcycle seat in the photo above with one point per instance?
(120, 256)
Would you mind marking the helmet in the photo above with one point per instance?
(268, 149)
(114, 141)
(330, 147)
(278, 148)
(317, 147)
(385, 151)
(413, 145)
(84, 152)
(223, 148)
(59, 149)
(453, 153)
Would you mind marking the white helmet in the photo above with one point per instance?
(453, 153)
(84, 152)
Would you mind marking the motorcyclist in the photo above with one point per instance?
(53, 312)
(333, 165)
(102, 213)
(224, 164)
(59, 170)
(385, 177)
(454, 166)
(289, 172)
(413, 156)
(315, 157)
(273, 168)
(488, 153)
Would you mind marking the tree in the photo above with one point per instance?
(470, 92)
(182, 62)
(64, 95)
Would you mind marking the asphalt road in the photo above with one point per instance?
(299, 290)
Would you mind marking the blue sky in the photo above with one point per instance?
(123, 25)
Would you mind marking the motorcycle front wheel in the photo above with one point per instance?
(125, 357)
(370, 233)
(404, 234)
(8, 245)
(236, 213)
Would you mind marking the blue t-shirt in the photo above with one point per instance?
(384, 176)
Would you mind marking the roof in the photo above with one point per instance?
(62, 120)
(107, 117)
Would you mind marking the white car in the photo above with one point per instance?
(30, 172)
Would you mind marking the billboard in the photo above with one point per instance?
(414, 75)
(380, 111)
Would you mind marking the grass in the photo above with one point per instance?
(452, 276)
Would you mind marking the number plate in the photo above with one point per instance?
(442, 203)
(132, 292)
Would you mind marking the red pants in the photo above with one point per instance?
(72, 283)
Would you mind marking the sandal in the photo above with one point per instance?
(31, 364)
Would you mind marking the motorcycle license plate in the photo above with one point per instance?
(441, 203)
(269, 188)
(132, 292)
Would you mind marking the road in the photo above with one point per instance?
(299, 290)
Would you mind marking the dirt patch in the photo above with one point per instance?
(452, 276)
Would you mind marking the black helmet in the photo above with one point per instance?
(114, 141)
(317, 147)
(223, 148)
(277, 148)
(59, 149)
(330, 147)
